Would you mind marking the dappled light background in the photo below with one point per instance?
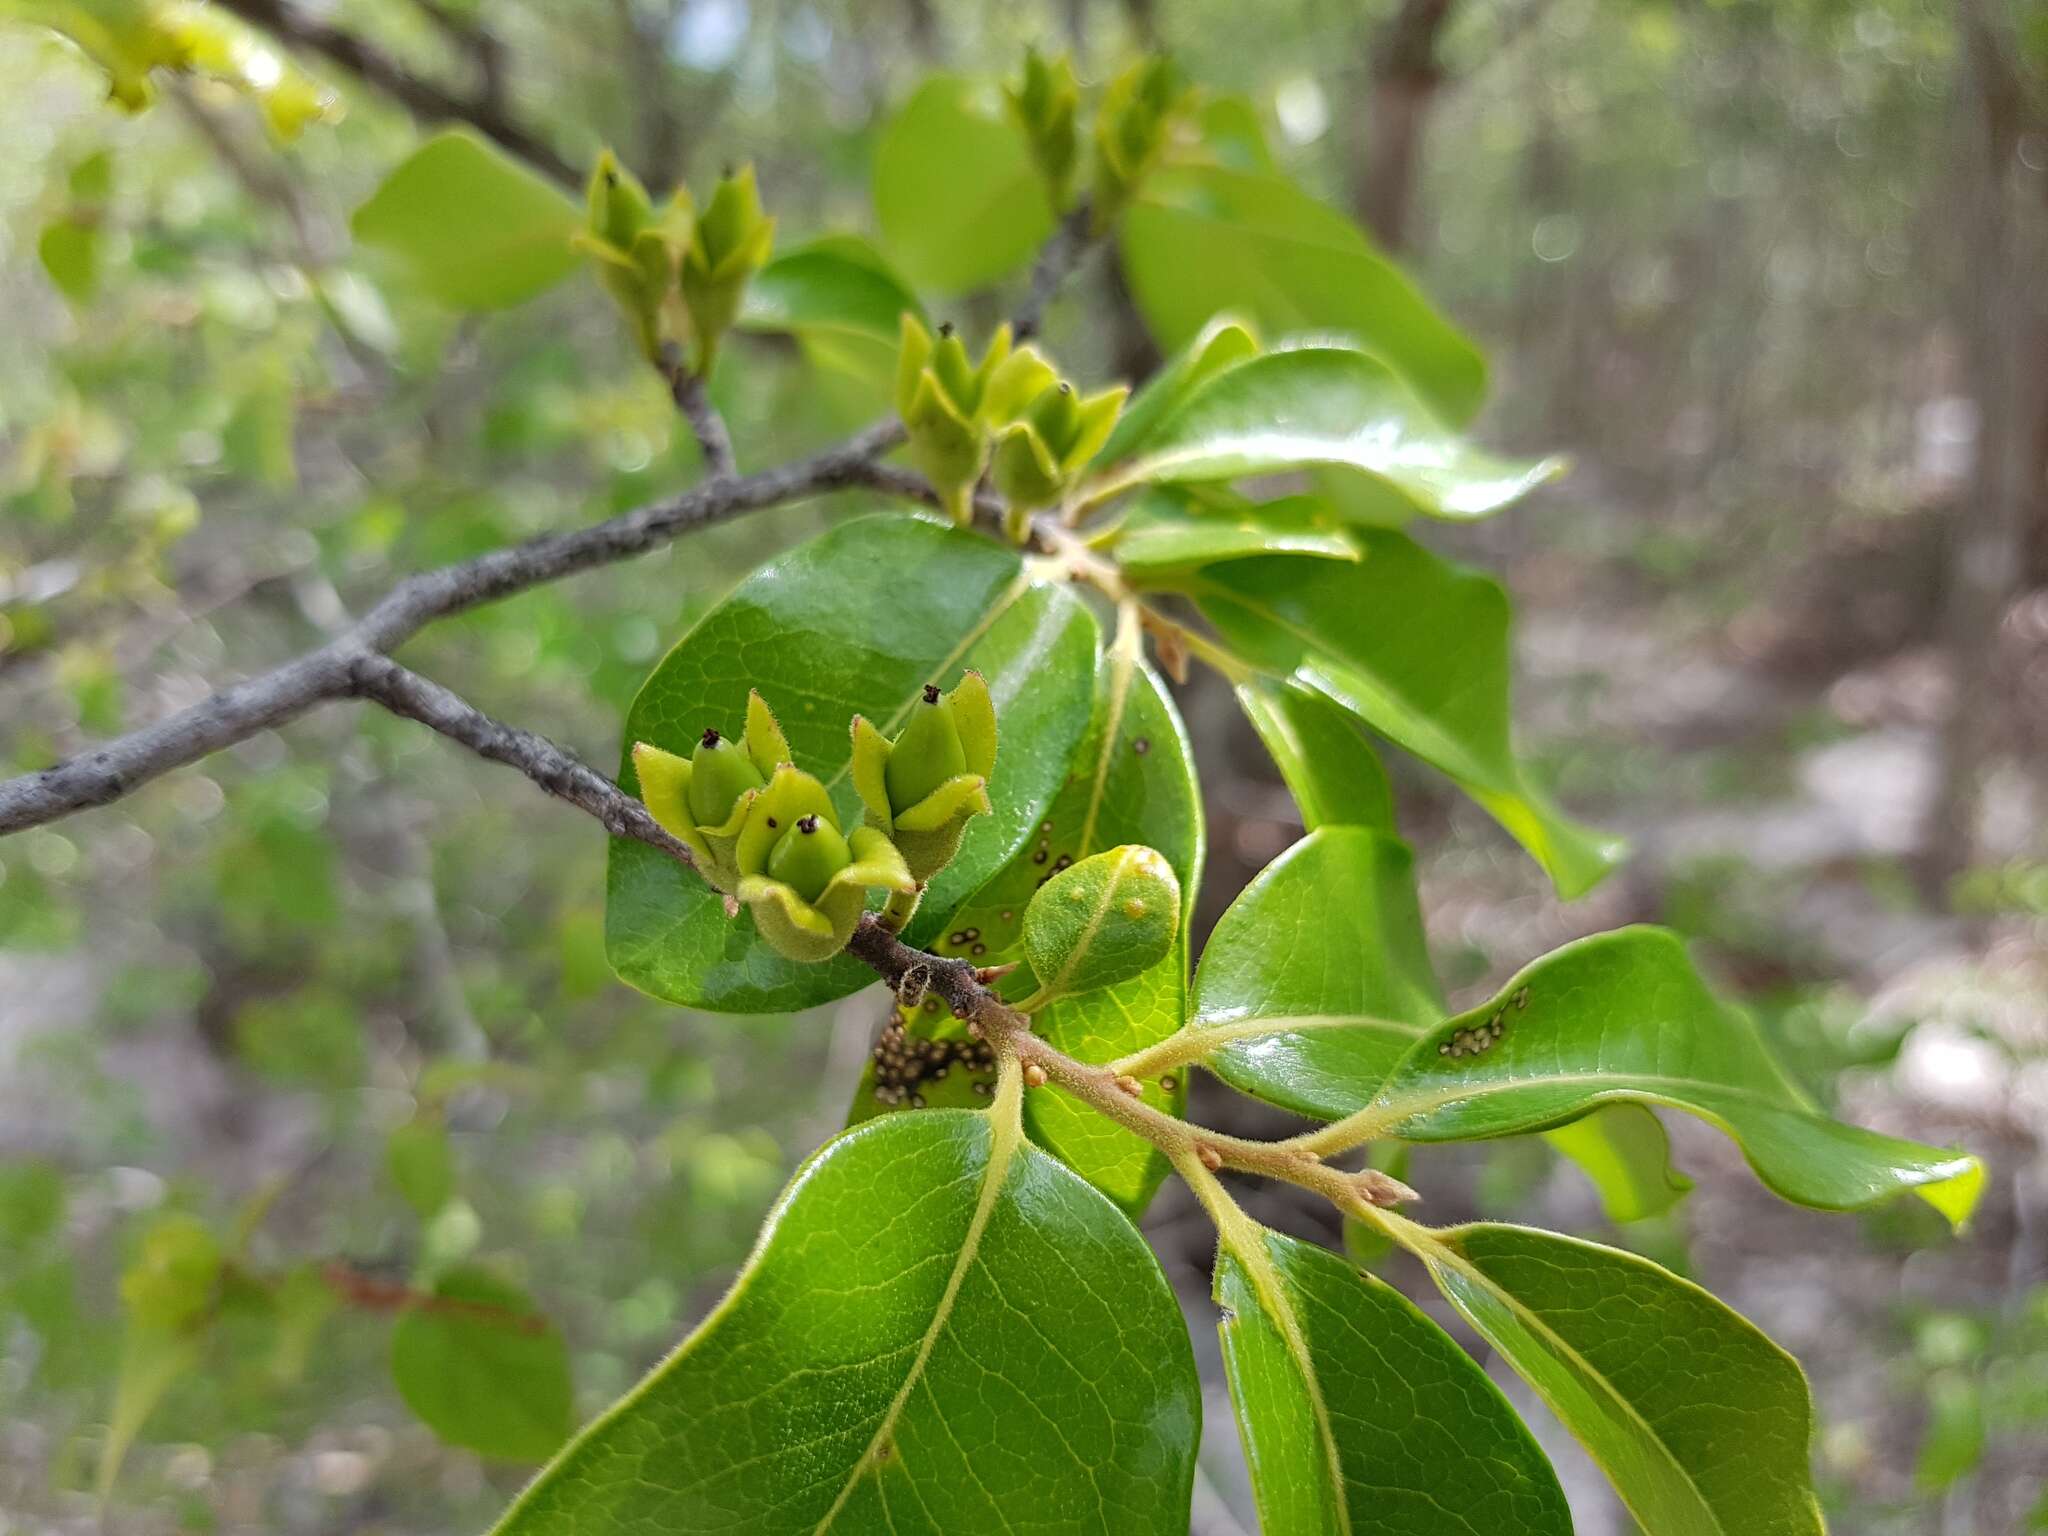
(1771, 273)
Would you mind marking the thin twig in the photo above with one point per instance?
(1056, 261)
(714, 440)
(235, 713)
(424, 99)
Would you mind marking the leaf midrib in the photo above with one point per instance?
(1451, 1256)
(1006, 1133)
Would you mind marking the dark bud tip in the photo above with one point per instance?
(931, 693)
(1066, 388)
(712, 738)
(730, 171)
(611, 177)
(945, 327)
(807, 824)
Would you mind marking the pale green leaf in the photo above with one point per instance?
(1623, 1149)
(1328, 766)
(474, 227)
(1168, 533)
(483, 1369)
(959, 201)
(1205, 239)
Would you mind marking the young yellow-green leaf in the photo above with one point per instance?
(476, 229)
(1322, 404)
(1317, 978)
(1624, 1016)
(1331, 770)
(153, 1357)
(1223, 342)
(1702, 1423)
(855, 622)
(69, 249)
(1359, 1415)
(422, 1164)
(941, 1330)
(1104, 920)
(1417, 649)
(959, 201)
(483, 1369)
(1622, 1148)
(840, 298)
(1169, 533)
(1201, 240)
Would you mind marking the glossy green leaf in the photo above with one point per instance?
(69, 249)
(1624, 1150)
(1624, 1016)
(854, 622)
(840, 298)
(1105, 919)
(475, 228)
(1701, 1422)
(958, 199)
(421, 1164)
(1322, 404)
(1168, 534)
(1317, 978)
(1328, 766)
(1205, 239)
(1417, 649)
(1223, 342)
(1360, 1415)
(1132, 780)
(483, 1369)
(942, 1330)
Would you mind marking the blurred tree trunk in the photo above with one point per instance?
(1406, 75)
(1988, 538)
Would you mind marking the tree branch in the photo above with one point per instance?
(1056, 261)
(424, 99)
(235, 713)
(694, 401)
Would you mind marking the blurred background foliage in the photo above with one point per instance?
(1771, 272)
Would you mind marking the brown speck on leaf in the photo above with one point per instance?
(1142, 745)
(1169, 1083)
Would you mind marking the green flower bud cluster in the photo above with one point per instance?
(765, 833)
(672, 271)
(1132, 126)
(921, 789)
(1012, 407)
(1044, 104)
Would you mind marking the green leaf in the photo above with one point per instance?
(483, 1369)
(1622, 1148)
(941, 1330)
(840, 298)
(1132, 780)
(152, 1360)
(175, 1275)
(1105, 919)
(69, 249)
(422, 1164)
(1417, 649)
(1331, 770)
(1168, 534)
(1223, 342)
(1701, 1422)
(958, 199)
(1204, 239)
(1322, 404)
(1623, 1016)
(1953, 1444)
(475, 228)
(1359, 1414)
(1317, 978)
(854, 622)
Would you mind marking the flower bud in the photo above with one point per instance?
(730, 244)
(1132, 125)
(1039, 455)
(804, 881)
(921, 789)
(1044, 102)
(948, 403)
(636, 247)
(703, 800)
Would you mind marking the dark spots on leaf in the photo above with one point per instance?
(905, 1062)
(1169, 1083)
(1142, 745)
(1522, 998)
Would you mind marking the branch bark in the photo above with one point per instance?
(426, 100)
